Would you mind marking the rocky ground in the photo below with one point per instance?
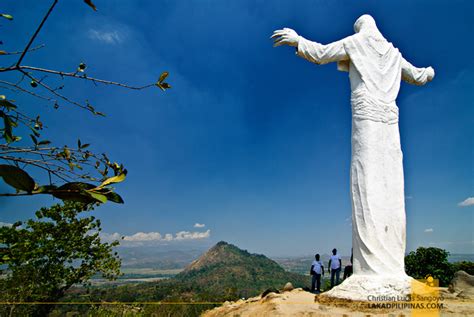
(298, 302)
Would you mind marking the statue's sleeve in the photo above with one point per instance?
(321, 54)
(415, 75)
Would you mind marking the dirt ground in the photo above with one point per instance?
(301, 303)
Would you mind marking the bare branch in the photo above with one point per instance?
(75, 75)
(55, 93)
(16, 194)
(30, 50)
(36, 163)
(7, 69)
(18, 87)
(36, 33)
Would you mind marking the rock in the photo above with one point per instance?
(463, 284)
(288, 287)
(268, 291)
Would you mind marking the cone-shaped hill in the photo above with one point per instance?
(223, 273)
(226, 271)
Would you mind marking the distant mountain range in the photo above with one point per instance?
(172, 257)
(158, 257)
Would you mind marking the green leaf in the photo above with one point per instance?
(44, 189)
(115, 179)
(7, 16)
(36, 133)
(17, 178)
(159, 86)
(45, 142)
(97, 196)
(33, 138)
(7, 104)
(163, 86)
(90, 4)
(75, 191)
(8, 124)
(67, 153)
(114, 197)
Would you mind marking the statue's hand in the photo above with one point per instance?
(285, 37)
(430, 73)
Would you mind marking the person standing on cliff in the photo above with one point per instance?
(317, 269)
(334, 267)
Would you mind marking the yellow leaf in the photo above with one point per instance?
(163, 76)
(116, 179)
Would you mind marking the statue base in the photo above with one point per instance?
(375, 288)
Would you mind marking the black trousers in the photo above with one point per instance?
(316, 280)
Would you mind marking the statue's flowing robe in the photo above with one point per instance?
(375, 69)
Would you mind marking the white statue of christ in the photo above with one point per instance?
(375, 69)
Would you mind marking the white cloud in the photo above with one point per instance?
(109, 237)
(186, 235)
(155, 236)
(108, 37)
(199, 225)
(5, 224)
(429, 230)
(467, 202)
(143, 236)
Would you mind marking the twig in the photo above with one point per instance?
(30, 162)
(26, 91)
(21, 52)
(55, 93)
(36, 33)
(75, 75)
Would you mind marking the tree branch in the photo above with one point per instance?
(35, 163)
(16, 86)
(75, 75)
(21, 52)
(51, 90)
(36, 33)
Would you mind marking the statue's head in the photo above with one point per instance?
(364, 22)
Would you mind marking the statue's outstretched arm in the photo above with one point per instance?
(309, 50)
(416, 76)
(321, 54)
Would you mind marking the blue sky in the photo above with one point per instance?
(252, 141)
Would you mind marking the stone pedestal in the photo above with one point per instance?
(373, 288)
